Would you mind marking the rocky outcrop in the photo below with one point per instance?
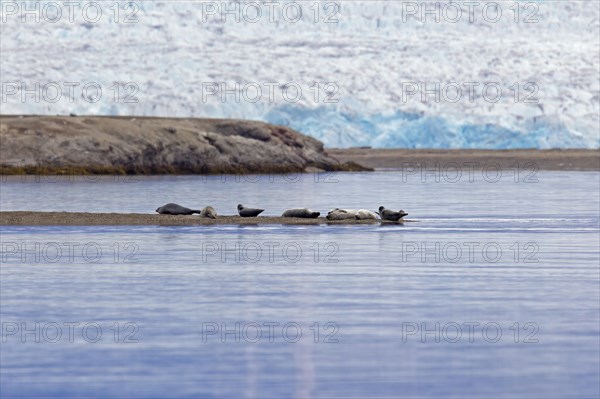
(141, 145)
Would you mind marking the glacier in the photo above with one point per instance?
(349, 68)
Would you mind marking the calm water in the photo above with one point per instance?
(493, 293)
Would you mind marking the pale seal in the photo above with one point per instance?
(248, 212)
(341, 214)
(300, 213)
(390, 215)
(174, 209)
(208, 212)
(363, 214)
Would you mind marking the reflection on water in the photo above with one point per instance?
(493, 293)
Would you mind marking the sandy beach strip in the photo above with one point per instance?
(26, 218)
(525, 159)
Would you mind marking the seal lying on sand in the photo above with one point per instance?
(300, 213)
(174, 209)
(208, 212)
(363, 214)
(390, 215)
(248, 212)
(341, 214)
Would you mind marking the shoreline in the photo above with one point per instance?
(135, 145)
(527, 160)
(29, 218)
(366, 160)
(156, 146)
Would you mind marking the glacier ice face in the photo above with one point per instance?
(361, 80)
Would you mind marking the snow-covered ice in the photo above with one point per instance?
(363, 66)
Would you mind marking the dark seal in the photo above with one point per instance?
(174, 209)
(390, 215)
(248, 212)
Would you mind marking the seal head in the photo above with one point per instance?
(208, 212)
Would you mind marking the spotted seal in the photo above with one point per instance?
(363, 214)
(341, 214)
(208, 212)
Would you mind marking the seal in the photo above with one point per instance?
(248, 212)
(390, 215)
(300, 213)
(208, 212)
(174, 209)
(363, 214)
(341, 214)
